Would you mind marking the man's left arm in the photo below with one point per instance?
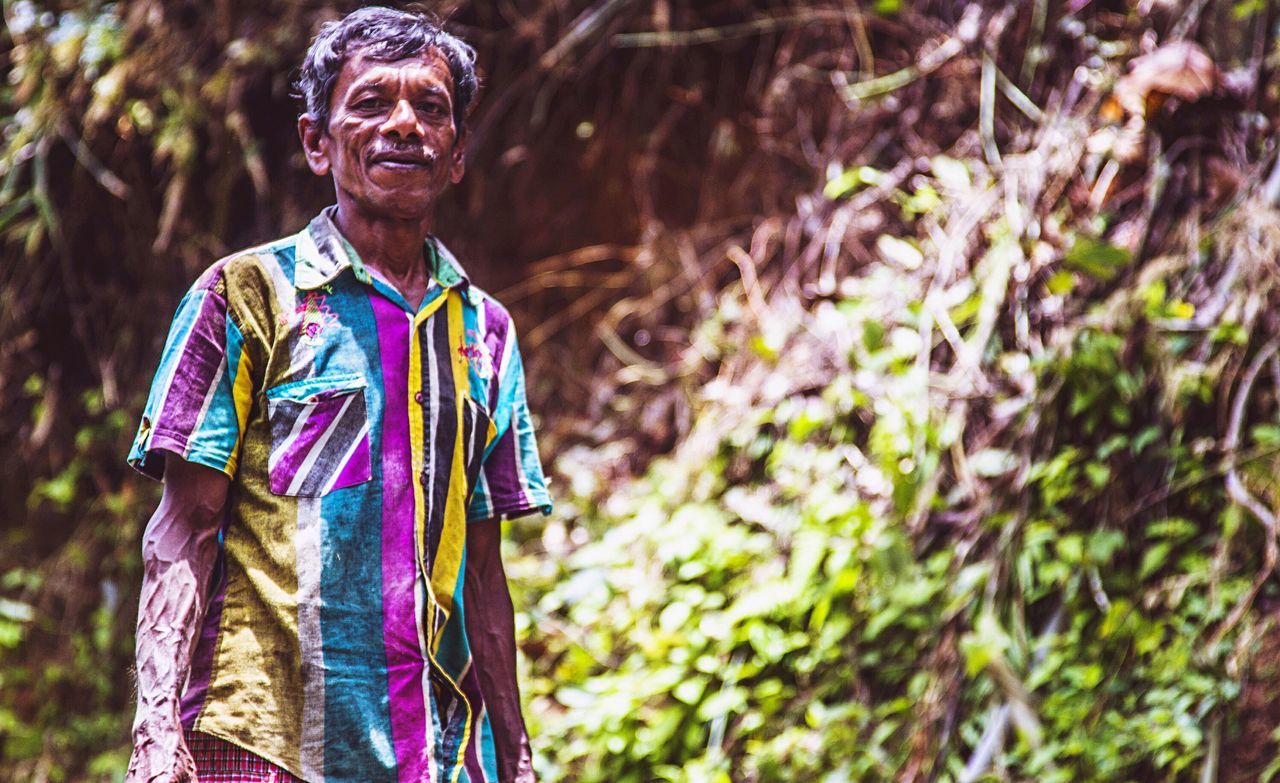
(491, 630)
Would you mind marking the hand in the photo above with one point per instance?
(524, 771)
(160, 755)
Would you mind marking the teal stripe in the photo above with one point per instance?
(473, 336)
(454, 654)
(220, 424)
(532, 482)
(183, 322)
(357, 722)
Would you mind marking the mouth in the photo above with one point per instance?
(404, 160)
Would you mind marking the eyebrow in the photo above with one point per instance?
(378, 84)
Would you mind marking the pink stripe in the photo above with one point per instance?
(410, 731)
(502, 471)
(321, 417)
(197, 369)
(357, 468)
(497, 323)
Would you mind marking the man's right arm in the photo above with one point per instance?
(179, 550)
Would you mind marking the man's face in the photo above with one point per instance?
(391, 144)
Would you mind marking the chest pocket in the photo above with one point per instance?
(319, 436)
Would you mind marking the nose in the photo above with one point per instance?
(402, 122)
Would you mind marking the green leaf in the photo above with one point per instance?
(1096, 257)
(984, 644)
(1154, 558)
(1266, 434)
(1098, 474)
(850, 180)
(1103, 544)
(1061, 283)
(690, 690)
(1071, 548)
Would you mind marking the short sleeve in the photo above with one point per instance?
(200, 398)
(511, 482)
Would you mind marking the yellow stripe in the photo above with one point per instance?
(454, 313)
(419, 456)
(242, 397)
(453, 536)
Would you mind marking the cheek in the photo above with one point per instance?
(353, 138)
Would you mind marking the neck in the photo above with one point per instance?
(391, 245)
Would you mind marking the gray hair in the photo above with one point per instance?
(384, 34)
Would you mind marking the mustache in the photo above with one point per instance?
(415, 152)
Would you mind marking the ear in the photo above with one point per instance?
(457, 157)
(315, 144)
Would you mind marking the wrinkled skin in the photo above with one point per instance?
(392, 148)
(179, 550)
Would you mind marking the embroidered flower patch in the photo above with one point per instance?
(316, 318)
(477, 353)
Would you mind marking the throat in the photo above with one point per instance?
(412, 285)
(391, 248)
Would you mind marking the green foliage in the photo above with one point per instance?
(764, 606)
(63, 691)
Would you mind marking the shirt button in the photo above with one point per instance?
(419, 398)
(422, 478)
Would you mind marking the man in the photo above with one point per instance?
(340, 421)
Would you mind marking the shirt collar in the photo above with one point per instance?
(323, 253)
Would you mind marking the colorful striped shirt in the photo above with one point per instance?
(361, 436)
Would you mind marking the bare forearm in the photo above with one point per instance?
(179, 550)
(491, 632)
(177, 565)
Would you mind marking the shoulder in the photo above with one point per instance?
(499, 334)
(247, 266)
(251, 283)
(488, 306)
(271, 263)
(494, 320)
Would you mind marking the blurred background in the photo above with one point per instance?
(907, 369)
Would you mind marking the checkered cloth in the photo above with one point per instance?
(219, 761)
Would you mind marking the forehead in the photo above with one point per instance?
(426, 70)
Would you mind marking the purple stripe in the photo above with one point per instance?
(323, 415)
(196, 370)
(471, 687)
(202, 660)
(357, 468)
(497, 322)
(501, 471)
(410, 732)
